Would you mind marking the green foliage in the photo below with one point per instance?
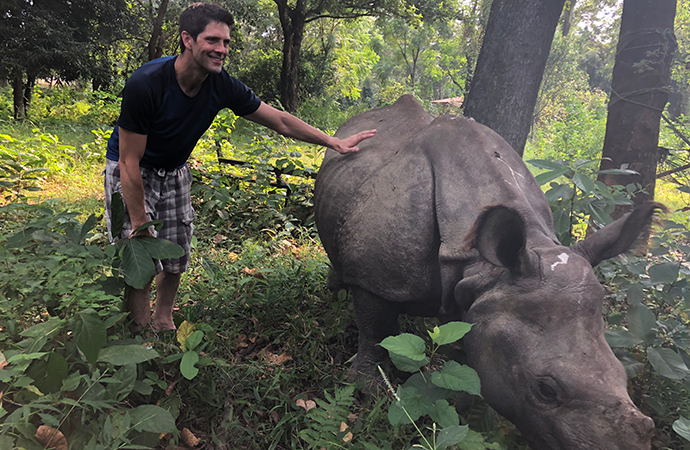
(581, 201)
(325, 419)
(79, 105)
(64, 363)
(270, 188)
(649, 327)
(427, 391)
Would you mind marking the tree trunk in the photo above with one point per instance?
(639, 92)
(510, 66)
(18, 96)
(568, 16)
(155, 47)
(292, 20)
(28, 91)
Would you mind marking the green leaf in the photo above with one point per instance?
(666, 273)
(621, 338)
(551, 175)
(559, 191)
(194, 339)
(617, 172)
(685, 189)
(635, 294)
(90, 334)
(475, 441)
(142, 388)
(160, 248)
(425, 387)
(451, 436)
(597, 210)
(444, 414)
(88, 226)
(137, 264)
(406, 364)
(153, 419)
(667, 363)
(189, 359)
(44, 329)
(411, 401)
(119, 355)
(583, 182)
(117, 211)
(407, 345)
(450, 332)
(682, 427)
(48, 375)
(457, 378)
(546, 164)
(642, 323)
(156, 224)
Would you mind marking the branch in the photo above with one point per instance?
(675, 130)
(673, 171)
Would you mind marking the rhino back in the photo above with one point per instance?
(389, 215)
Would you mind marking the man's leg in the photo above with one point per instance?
(138, 303)
(166, 288)
(175, 209)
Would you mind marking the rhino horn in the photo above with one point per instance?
(499, 235)
(619, 236)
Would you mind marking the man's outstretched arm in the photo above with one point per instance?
(290, 126)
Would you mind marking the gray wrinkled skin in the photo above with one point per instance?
(440, 217)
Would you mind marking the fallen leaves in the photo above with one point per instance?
(306, 404)
(348, 435)
(50, 437)
(275, 360)
(188, 438)
(253, 273)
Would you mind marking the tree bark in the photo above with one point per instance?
(511, 65)
(18, 96)
(293, 21)
(155, 48)
(28, 91)
(639, 92)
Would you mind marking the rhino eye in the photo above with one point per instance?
(547, 390)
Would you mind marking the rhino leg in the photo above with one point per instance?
(376, 320)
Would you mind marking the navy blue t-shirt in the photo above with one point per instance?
(153, 104)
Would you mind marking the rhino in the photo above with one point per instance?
(440, 217)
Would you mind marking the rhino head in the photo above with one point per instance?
(538, 344)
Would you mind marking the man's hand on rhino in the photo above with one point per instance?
(349, 145)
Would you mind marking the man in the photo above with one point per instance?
(167, 105)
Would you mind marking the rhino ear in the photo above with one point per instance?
(618, 236)
(499, 235)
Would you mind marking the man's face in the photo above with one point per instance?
(211, 46)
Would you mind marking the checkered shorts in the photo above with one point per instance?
(167, 197)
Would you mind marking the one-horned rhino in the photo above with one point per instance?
(440, 217)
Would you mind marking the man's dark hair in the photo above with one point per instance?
(197, 16)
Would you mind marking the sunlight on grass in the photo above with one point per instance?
(80, 187)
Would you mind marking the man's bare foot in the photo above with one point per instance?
(163, 324)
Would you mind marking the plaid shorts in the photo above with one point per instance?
(167, 197)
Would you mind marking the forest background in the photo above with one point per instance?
(259, 361)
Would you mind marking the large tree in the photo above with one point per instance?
(639, 91)
(44, 37)
(295, 15)
(510, 66)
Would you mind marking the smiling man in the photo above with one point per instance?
(167, 106)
